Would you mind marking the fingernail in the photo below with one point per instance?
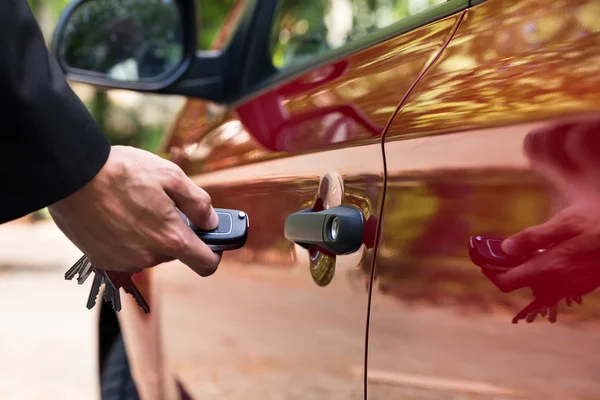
(509, 247)
(214, 219)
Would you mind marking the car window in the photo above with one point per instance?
(304, 29)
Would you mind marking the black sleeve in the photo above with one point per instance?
(50, 145)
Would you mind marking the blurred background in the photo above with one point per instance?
(48, 337)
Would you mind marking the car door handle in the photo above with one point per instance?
(338, 230)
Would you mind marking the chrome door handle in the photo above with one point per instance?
(338, 230)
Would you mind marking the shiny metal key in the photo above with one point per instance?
(116, 303)
(113, 285)
(85, 272)
(112, 292)
(107, 292)
(75, 269)
(96, 284)
(115, 296)
(131, 289)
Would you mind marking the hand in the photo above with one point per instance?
(125, 219)
(567, 154)
(570, 264)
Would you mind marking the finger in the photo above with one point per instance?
(554, 269)
(538, 270)
(198, 256)
(492, 274)
(562, 226)
(181, 242)
(193, 201)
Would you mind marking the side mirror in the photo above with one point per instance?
(142, 45)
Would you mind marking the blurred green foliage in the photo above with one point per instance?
(210, 17)
(307, 28)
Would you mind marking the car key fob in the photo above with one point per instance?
(231, 233)
(486, 252)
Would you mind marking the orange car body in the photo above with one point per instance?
(425, 131)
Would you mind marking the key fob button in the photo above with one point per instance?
(495, 248)
(225, 223)
(488, 251)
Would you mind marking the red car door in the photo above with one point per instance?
(462, 162)
(278, 319)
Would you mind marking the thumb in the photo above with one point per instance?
(560, 227)
(193, 201)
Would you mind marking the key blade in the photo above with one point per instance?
(96, 284)
(553, 313)
(85, 272)
(107, 291)
(70, 274)
(116, 300)
(533, 306)
(133, 290)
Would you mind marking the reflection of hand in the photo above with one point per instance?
(570, 265)
(567, 155)
(126, 220)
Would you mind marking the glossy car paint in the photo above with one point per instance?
(455, 167)
(277, 319)
(261, 327)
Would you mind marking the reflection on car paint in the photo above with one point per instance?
(347, 102)
(269, 165)
(456, 168)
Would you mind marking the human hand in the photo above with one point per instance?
(566, 154)
(126, 220)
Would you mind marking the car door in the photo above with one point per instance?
(282, 319)
(456, 168)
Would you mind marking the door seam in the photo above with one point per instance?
(384, 190)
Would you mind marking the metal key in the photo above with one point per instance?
(75, 269)
(537, 307)
(121, 280)
(112, 282)
(112, 290)
(85, 272)
(131, 289)
(96, 284)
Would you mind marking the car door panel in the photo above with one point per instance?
(278, 320)
(439, 329)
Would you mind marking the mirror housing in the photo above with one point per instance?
(140, 45)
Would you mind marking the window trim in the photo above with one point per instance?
(262, 76)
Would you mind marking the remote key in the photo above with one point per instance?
(486, 252)
(231, 233)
